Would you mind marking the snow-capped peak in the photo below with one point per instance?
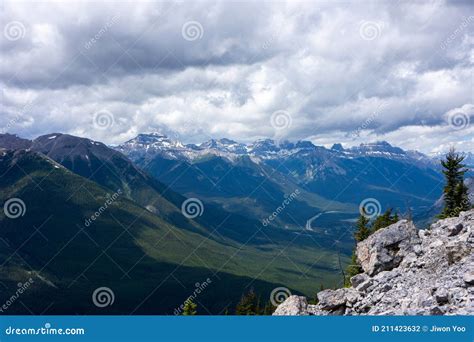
(378, 148)
(151, 144)
(224, 145)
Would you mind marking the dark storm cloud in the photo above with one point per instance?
(91, 45)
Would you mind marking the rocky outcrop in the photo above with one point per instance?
(406, 272)
(387, 248)
(294, 306)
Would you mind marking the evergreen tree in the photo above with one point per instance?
(455, 191)
(189, 308)
(353, 268)
(248, 304)
(363, 230)
(384, 220)
(462, 197)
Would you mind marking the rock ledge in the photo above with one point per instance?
(406, 272)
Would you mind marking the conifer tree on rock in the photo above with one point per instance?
(384, 220)
(362, 232)
(455, 191)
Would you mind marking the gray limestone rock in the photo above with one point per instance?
(406, 272)
(385, 249)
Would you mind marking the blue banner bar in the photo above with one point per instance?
(236, 328)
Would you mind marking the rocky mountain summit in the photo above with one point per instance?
(406, 272)
(266, 149)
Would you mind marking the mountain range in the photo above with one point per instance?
(269, 215)
(336, 179)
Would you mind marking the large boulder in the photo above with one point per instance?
(332, 299)
(385, 249)
(293, 306)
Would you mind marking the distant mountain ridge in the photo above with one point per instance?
(157, 143)
(395, 177)
(149, 143)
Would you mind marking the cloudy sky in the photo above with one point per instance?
(328, 72)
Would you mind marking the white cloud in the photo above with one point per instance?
(331, 66)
